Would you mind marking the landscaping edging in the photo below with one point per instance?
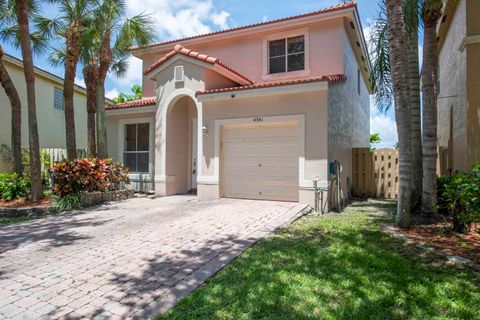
(90, 199)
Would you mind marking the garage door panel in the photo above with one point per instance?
(261, 162)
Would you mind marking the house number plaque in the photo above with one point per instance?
(258, 119)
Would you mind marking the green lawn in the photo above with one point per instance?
(336, 267)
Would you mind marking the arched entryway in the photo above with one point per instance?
(181, 146)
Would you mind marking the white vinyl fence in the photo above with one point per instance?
(59, 154)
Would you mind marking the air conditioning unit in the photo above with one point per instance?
(178, 74)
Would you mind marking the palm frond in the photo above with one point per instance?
(57, 57)
(139, 29)
(50, 28)
(119, 68)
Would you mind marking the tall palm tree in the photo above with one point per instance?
(22, 11)
(9, 34)
(382, 78)
(69, 26)
(431, 13)
(398, 51)
(117, 32)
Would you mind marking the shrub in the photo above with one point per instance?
(72, 201)
(13, 186)
(88, 175)
(459, 197)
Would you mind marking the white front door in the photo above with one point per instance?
(261, 161)
(194, 153)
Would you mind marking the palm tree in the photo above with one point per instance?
(9, 34)
(382, 78)
(22, 11)
(114, 28)
(398, 51)
(431, 13)
(69, 25)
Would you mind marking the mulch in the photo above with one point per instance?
(25, 203)
(439, 236)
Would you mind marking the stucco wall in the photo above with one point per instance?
(51, 121)
(246, 53)
(116, 120)
(452, 93)
(348, 116)
(312, 105)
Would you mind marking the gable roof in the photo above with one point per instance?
(347, 5)
(221, 67)
(334, 78)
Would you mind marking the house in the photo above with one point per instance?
(50, 109)
(459, 84)
(254, 112)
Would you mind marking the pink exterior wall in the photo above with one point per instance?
(246, 53)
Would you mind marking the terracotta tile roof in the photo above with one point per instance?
(178, 49)
(144, 102)
(351, 4)
(334, 78)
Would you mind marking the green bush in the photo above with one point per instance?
(459, 198)
(72, 201)
(13, 186)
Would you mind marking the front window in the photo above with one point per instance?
(136, 153)
(287, 54)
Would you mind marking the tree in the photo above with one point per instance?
(22, 12)
(431, 13)
(136, 95)
(69, 26)
(375, 138)
(114, 28)
(398, 53)
(382, 79)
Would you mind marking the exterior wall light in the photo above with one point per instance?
(204, 130)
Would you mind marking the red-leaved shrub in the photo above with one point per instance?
(88, 175)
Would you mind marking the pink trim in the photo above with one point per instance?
(178, 49)
(334, 78)
(351, 4)
(144, 102)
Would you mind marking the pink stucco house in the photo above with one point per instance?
(255, 112)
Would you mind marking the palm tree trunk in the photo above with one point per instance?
(398, 61)
(29, 71)
(71, 60)
(105, 59)
(90, 74)
(416, 129)
(431, 14)
(16, 120)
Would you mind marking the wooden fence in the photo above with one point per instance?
(59, 154)
(375, 173)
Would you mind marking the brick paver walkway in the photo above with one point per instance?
(133, 259)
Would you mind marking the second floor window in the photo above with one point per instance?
(287, 54)
(58, 102)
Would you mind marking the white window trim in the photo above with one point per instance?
(279, 36)
(121, 146)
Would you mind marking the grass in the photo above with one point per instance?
(336, 267)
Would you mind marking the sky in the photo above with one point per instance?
(180, 18)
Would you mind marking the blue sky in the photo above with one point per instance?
(181, 18)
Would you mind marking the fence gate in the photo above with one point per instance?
(375, 173)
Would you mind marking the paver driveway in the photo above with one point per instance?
(132, 259)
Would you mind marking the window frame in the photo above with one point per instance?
(285, 36)
(60, 90)
(121, 146)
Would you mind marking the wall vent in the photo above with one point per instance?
(178, 74)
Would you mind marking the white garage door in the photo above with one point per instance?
(261, 162)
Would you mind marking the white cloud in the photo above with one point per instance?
(220, 19)
(180, 18)
(385, 125)
(111, 94)
(133, 74)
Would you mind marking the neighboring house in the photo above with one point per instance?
(459, 83)
(255, 112)
(50, 109)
